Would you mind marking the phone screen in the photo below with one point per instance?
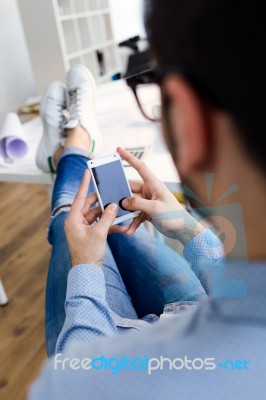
(112, 185)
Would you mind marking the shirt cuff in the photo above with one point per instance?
(85, 280)
(204, 246)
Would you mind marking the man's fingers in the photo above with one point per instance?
(141, 168)
(139, 204)
(90, 201)
(82, 194)
(117, 229)
(135, 224)
(107, 218)
(93, 214)
(136, 187)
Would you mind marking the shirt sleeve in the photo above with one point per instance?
(87, 313)
(204, 247)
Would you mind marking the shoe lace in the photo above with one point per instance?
(60, 112)
(62, 117)
(75, 97)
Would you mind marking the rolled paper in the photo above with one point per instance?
(15, 148)
(13, 142)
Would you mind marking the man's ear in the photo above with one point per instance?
(189, 124)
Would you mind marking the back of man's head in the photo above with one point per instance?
(220, 45)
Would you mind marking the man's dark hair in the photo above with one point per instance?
(221, 46)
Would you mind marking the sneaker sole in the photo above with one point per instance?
(39, 159)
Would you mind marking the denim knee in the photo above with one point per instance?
(56, 229)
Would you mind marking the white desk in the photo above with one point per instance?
(121, 124)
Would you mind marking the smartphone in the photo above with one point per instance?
(111, 184)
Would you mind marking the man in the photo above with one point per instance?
(212, 76)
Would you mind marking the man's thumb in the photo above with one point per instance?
(108, 217)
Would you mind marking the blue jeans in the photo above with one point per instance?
(141, 273)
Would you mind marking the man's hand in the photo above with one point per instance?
(155, 197)
(86, 240)
(157, 205)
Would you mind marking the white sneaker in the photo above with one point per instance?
(52, 107)
(81, 98)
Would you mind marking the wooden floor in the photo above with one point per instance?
(24, 257)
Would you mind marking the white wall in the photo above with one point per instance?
(16, 77)
(127, 16)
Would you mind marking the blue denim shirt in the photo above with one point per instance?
(215, 350)
(87, 313)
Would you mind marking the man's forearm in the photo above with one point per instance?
(179, 224)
